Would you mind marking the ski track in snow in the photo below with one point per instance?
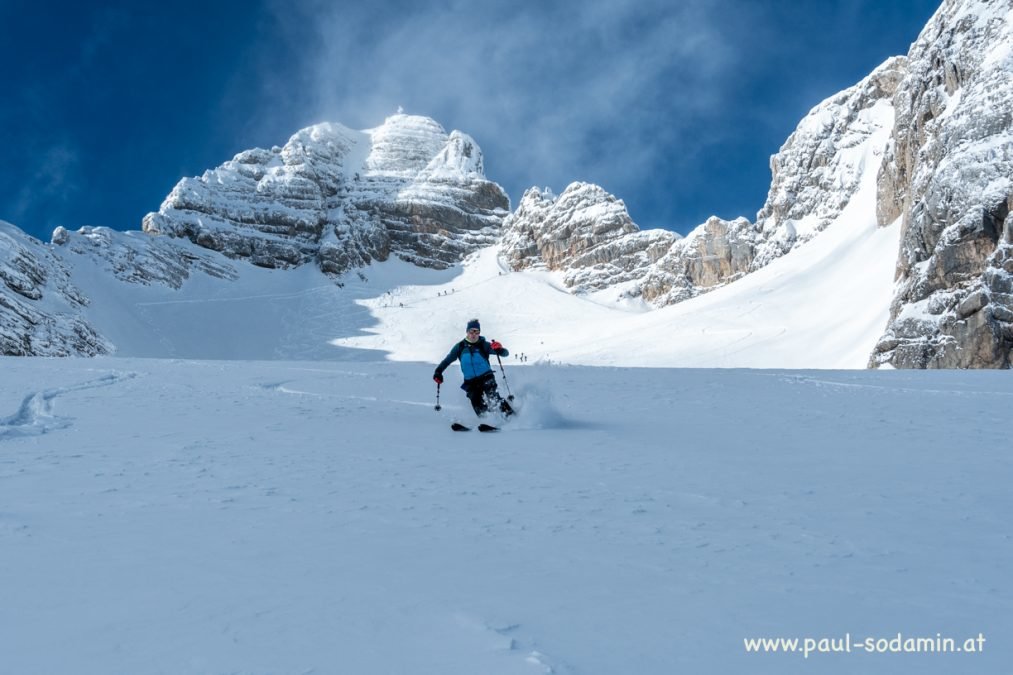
(282, 389)
(240, 298)
(509, 638)
(542, 413)
(36, 414)
(821, 382)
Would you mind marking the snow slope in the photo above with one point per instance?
(808, 309)
(192, 517)
(263, 314)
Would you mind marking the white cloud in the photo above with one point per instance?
(54, 180)
(552, 92)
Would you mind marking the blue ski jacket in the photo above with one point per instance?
(474, 358)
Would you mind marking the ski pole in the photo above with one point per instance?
(438, 407)
(506, 384)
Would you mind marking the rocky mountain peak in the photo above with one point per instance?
(571, 230)
(586, 234)
(342, 198)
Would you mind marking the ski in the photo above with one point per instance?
(457, 426)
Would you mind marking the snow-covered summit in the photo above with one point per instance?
(403, 146)
(343, 198)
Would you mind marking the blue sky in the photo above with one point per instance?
(673, 106)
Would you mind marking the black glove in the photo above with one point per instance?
(438, 378)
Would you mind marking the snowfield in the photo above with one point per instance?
(180, 516)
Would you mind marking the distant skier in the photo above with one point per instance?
(479, 380)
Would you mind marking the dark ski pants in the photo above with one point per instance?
(482, 393)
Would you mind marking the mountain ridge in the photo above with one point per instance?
(934, 126)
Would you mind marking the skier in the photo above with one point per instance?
(479, 380)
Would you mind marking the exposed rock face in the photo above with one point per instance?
(949, 176)
(343, 198)
(39, 306)
(819, 168)
(588, 235)
(138, 259)
(714, 254)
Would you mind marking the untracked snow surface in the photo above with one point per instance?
(174, 516)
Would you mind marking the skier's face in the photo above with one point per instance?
(473, 334)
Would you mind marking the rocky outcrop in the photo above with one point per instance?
(586, 233)
(135, 258)
(341, 198)
(714, 254)
(39, 306)
(43, 312)
(819, 168)
(949, 177)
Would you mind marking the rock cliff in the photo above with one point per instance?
(949, 178)
(39, 304)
